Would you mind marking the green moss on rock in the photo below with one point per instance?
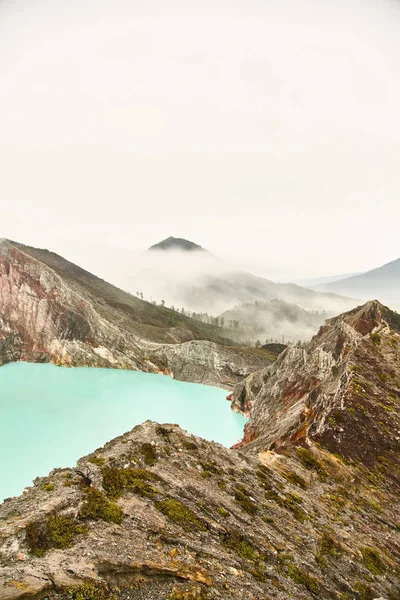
(90, 591)
(373, 560)
(178, 512)
(57, 531)
(115, 481)
(149, 454)
(98, 507)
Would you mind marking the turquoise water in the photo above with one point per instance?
(51, 416)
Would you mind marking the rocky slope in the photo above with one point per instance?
(341, 390)
(170, 516)
(52, 310)
(307, 508)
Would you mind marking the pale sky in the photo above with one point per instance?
(266, 129)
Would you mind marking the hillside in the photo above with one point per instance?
(274, 319)
(382, 283)
(307, 508)
(52, 310)
(216, 293)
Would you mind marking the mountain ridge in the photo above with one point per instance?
(381, 282)
(346, 374)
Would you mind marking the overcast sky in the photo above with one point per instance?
(266, 129)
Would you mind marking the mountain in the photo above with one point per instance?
(52, 310)
(318, 281)
(382, 283)
(274, 319)
(307, 508)
(173, 243)
(202, 283)
(216, 293)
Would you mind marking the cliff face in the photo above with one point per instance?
(342, 390)
(51, 310)
(160, 514)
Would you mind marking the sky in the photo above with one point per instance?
(266, 131)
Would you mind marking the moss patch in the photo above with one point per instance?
(373, 561)
(57, 531)
(90, 591)
(295, 479)
(97, 460)
(309, 461)
(243, 499)
(115, 481)
(209, 469)
(98, 507)
(240, 545)
(178, 512)
(48, 487)
(149, 454)
(303, 578)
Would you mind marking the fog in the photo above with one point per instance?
(268, 132)
(210, 286)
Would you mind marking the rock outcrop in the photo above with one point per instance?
(161, 514)
(52, 310)
(342, 390)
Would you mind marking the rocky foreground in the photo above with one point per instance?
(53, 311)
(306, 509)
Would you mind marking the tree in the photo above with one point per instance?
(141, 295)
(162, 302)
(258, 344)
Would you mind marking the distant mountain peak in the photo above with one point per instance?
(174, 243)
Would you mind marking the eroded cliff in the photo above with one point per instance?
(52, 310)
(342, 390)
